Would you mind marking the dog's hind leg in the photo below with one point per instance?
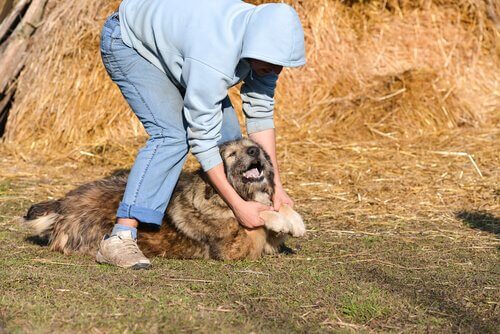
(170, 243)
(246, 244)
(274, 242)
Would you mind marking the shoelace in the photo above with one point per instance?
(130, 246)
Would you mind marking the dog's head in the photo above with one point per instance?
(248, 168)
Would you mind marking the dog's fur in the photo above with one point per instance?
(197, 223)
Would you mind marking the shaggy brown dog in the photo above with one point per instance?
(197, 223)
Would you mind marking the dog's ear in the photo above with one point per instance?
(223, 147)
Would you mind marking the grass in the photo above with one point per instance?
(380, 256)
(365, 305)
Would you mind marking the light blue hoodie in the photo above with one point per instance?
(202, 45)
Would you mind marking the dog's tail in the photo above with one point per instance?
(41, 217)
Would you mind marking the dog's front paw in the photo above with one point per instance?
(298, 229)
(276, 222)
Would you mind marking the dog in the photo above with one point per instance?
(198, 224)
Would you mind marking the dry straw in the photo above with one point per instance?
(387, 69)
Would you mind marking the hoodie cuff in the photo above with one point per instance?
(209, 159)
(259, 124)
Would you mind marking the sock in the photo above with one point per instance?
(119, 227)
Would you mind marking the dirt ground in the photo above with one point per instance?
(402, 237)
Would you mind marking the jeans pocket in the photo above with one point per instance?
(110, 31)
(105, 44)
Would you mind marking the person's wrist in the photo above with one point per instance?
(235, 202)
(277, 179)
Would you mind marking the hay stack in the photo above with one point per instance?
(375, 68)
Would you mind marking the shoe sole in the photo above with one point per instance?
(138, 266)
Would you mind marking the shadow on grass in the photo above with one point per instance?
(481, 220)
(433, 298)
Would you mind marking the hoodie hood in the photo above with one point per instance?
(274, 34)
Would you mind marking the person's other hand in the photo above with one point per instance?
(280, 197)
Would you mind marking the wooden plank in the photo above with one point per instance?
(12, 63)
(7, 25)
(14, 49)
(5, 8)
(5, 103)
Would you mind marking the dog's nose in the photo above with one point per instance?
(253, 151)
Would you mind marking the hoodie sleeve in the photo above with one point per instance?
(205, 90)
(257, 95)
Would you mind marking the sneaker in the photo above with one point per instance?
(121, 250)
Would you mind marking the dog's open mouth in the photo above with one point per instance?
(254, 173)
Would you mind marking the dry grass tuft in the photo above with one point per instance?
(375, 68)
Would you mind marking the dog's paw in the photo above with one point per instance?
(298, 229)
(276, 222)
(270, 249)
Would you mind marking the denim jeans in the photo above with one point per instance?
(158, 103)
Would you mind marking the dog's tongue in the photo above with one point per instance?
(252, 173)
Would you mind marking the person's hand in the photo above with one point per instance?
(280, 197)
(248, 213)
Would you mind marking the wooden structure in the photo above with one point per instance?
(19, 20)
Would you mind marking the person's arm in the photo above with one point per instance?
(206, 88)
(257, 94)
(267, 139)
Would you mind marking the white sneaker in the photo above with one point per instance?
(121, 250)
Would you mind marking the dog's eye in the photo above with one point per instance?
(232, 154)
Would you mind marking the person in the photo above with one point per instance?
(174, 62)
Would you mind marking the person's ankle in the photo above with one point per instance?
(120, 228)
(127, 222)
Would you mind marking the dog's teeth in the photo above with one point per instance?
(261, 173)
(252, 173)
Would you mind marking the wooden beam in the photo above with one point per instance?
(15, 33)
(9, 24)
(14, 48)
(5, 8)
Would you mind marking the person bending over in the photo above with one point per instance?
(174, 62)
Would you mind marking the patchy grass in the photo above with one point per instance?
(384, 253)
(4, 186)
(365, 305)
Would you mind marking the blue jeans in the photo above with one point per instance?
(158, 103)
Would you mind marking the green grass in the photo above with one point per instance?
(365, 305)
(358, 270)
(4, 186)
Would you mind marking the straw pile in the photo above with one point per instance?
(385, 69)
